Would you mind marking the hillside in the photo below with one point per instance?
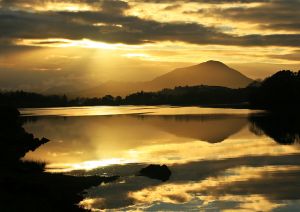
(211, 73)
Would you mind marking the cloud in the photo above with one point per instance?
(201, 1)
(295, 55)
(276, 14)
(110, 24)
(106, 6)
(8, 46)
(114, 6)
(118, 28)
(30, 26)
(172, 7)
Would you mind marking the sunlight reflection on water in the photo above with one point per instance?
(122, 110)
(219, 158)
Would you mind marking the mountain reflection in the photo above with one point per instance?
(283, 128)
(209, 128)
(91, 138)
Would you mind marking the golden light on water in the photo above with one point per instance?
(127, 110)
(193, 142)
(184, 192)
(206, 191)
(149, 135)
(162, 154)
(86, 165)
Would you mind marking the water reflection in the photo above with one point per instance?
(209, 128)
(219, 161)
(92, 141)
(81, 142)
(254, 182)
(283, 128)
(121, 110)
(230, 186)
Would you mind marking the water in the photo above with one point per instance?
(221, 159)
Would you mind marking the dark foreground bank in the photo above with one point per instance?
(24, 184)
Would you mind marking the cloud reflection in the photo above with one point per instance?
(259, 183)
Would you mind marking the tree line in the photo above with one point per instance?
(279, 91)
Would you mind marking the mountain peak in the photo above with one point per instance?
(212, 72)
(212, 62)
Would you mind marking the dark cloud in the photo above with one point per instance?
(134, 30)
(114, 6)
(280, 185)
(276, 14)
(285, 26)
(295, 56)
(111, 25)
(7, 46)
(49, 42)
(201, 1)
(172, 7)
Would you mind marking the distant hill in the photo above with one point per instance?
(213, 73)
(208, 73)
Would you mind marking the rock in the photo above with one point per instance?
(159, 172)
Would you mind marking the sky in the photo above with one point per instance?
(51, 45)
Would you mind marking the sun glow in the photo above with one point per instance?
(166, 51)
(61, 6)
(86, 165)
(63, 43)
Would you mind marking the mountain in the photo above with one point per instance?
(207, 73)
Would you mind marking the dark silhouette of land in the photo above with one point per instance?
(195, 95)
(280, 91)
(24, 184)
(29, 99)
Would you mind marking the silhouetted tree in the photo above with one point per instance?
(107, 100)
(281, 91)
(191, 95)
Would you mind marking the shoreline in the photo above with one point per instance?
(25, 186)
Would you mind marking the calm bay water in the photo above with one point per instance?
(221, 159)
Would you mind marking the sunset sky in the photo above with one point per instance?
(48, 44)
